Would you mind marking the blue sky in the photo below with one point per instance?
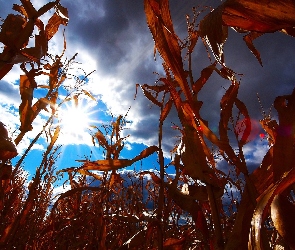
(112, 38)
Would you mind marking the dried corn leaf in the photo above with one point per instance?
(188, 203)
(249, 41)
(193, 158)
(20, 9)
(166, 41)
(63, 13)
(205, 74)
(145, 153)
(115, 178)
(30, 10)
(46, 8)
(150, 96)
(166, 110)
(11, 29)
(246, 121)
(105, 165)
(33, 53)
(5, 172)
(246, 15)
(101, 139)
(226, 106)
(72, 192)
(264, 202)
(52, 26)
(88, 94)
(26, 87)
(239, 236)
(154, 229)
(270, 127)
(261, 16)
(115, 164)
(7, 150)
(213, 31)
(283, 218)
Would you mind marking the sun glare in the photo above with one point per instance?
(75, 120)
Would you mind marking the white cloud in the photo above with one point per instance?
(256, 150)
(128, 146)
(59, 190)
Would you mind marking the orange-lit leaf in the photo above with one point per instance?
(46, 7)
(30, 10)
(226, 105)
(283, 217)
(20, 9)
(145, 153)
(101, 139)
(115, 178)
(115, 164)
(150, 96)
(88, 94)
(52, 26)
(106, 165)
(166, 41)
(264, 202)
(270, 127)
(26, 92)
(166, 110)
(213, 31)
(246, 121)
(63, 13)
(11, 29)
(33, 53)
(205, 74)
(263, 16)
(193, 157)
(249, 41)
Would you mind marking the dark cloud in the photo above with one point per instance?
(109, 35)
(9, 91)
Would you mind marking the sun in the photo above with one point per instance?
(75, 119)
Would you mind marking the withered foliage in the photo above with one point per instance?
(197, 207)
(273, 179)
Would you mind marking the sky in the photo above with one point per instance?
(112, 38)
